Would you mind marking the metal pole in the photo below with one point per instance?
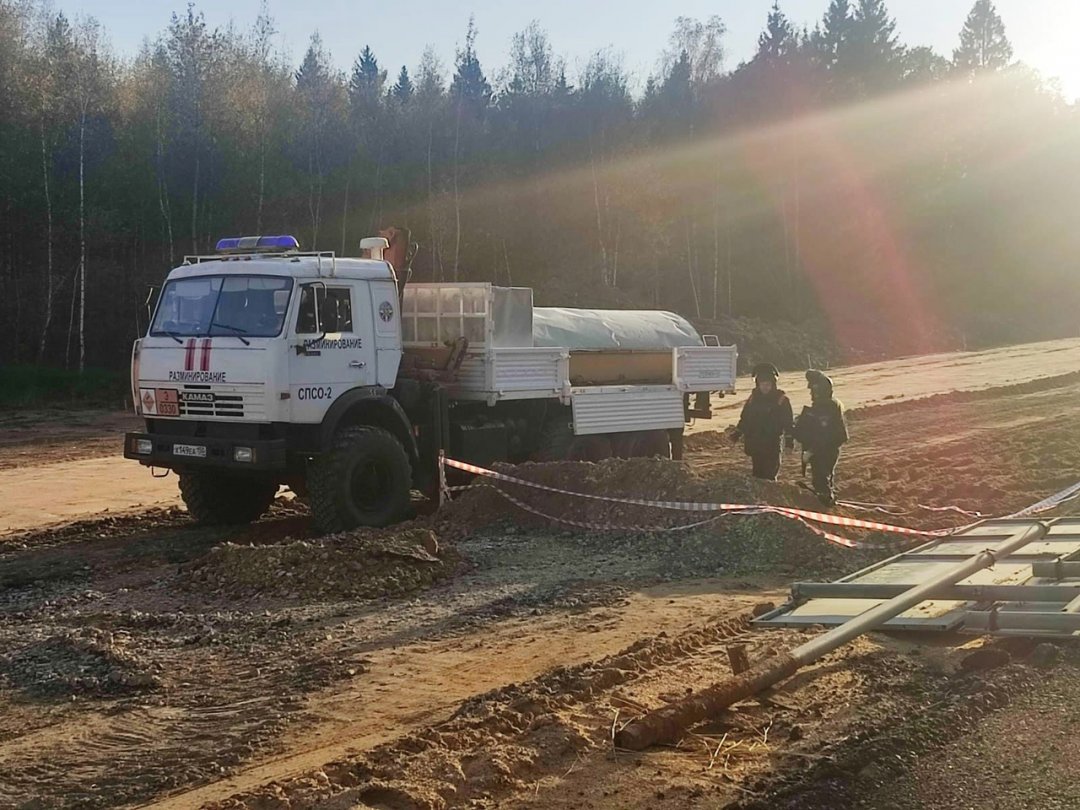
(1059, 594)
(668, 723)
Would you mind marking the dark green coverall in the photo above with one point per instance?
(822, 430)
(764, 421)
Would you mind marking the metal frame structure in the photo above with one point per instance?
(1034, 591)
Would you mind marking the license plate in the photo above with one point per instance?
(193, 450)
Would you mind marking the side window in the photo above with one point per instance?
(336, 312)
(324, 309)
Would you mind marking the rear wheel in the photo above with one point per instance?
(590, 448)
(558, 443)
(555, 441)
(364, 480)
(654, 444)
(642, 444)
(217, 498)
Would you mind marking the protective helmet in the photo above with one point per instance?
(766, 371)
(819, 380)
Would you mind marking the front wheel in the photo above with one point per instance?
(216, 498)
(364, 480)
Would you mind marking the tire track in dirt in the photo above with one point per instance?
(494, 743)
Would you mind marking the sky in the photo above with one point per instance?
(1042, 31)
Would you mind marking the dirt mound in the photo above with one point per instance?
(645, 479)
(647, 542)
(125, 524)
(88, 662)
(363, 564)
(641, 479)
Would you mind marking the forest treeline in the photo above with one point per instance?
(840, 181)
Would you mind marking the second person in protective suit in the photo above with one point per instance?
(822, 430)
(765, 418)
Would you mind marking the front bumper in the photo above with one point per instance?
(267, 454)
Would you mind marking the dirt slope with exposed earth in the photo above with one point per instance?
(481, 657)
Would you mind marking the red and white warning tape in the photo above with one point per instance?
(898, 511)
(693, 506)
(1068, 494)
(803, 516)
(605, 527)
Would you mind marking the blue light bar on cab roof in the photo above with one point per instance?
(255, 244)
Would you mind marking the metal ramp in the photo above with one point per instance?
(1034, 592)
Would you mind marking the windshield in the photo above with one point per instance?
(246, 306)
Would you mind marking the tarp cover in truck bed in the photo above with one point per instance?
(597, 329)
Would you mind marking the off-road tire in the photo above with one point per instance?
(558, 443)
(215, 498)
(642, 444)
(653, 444)
(555, 441)
(335, 487)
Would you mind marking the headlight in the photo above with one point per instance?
(144, 447)
(245, 454)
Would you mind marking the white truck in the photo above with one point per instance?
(266, 366)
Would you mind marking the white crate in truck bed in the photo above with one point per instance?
(511, 373)
(705, 368)
(502, 362)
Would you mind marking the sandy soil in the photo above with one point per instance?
(147, 662)
(79, 451)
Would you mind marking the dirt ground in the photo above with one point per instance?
(481, 657)
(82, 449)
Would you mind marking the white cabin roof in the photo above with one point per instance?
(303, 267)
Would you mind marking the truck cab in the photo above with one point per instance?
(248, 353)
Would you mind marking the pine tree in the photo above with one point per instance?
(830, 38)
(313, 71)
(777, 42)
(676, 96)
(470, 88)
(983, 44)
(874, 54)
(367, 81)
(403, 90)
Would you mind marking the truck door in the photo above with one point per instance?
(332, 347)
(387, 320)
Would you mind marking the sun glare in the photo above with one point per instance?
(1060, 56)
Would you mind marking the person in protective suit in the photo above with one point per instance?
(765, 418)
(822, 430)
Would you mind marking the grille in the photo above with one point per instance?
(207, 401)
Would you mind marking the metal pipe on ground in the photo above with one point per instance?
(668, 723)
